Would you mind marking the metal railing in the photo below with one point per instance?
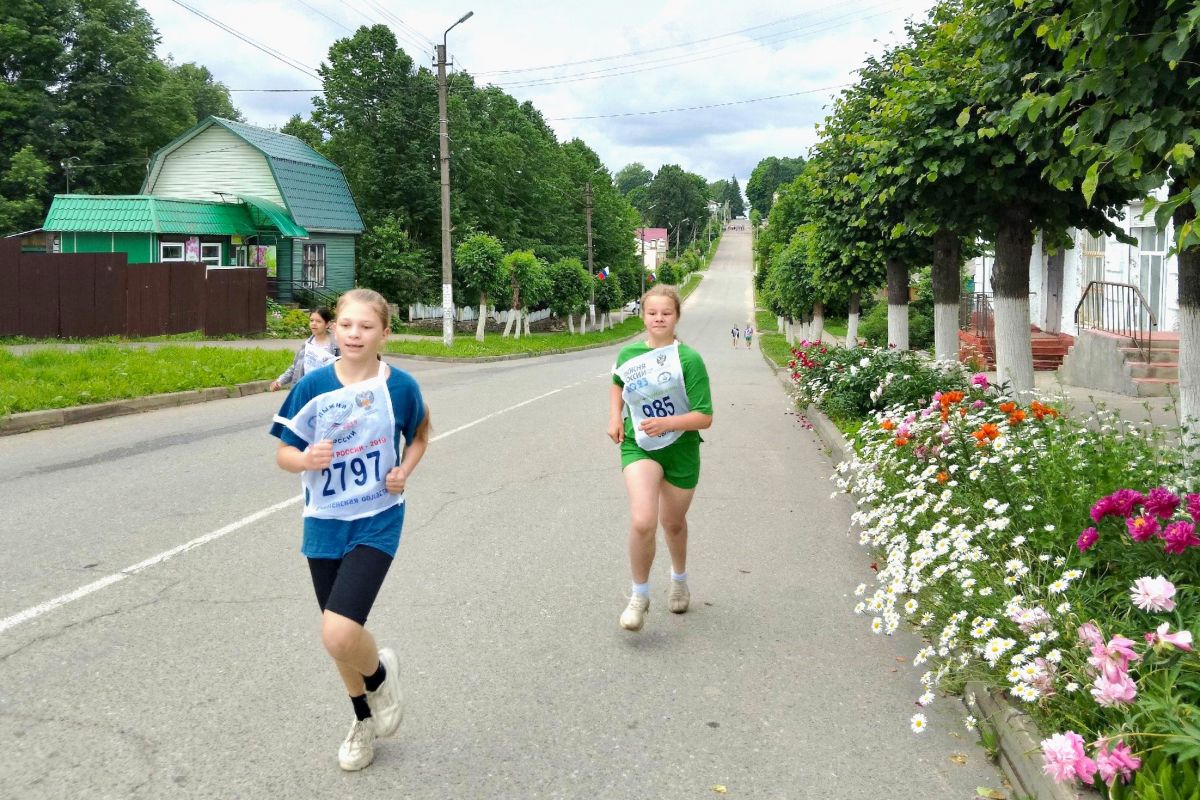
(976, 314)
(1118, 308)
(306, 293)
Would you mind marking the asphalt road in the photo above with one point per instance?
(158, 635)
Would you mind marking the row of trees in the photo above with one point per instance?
(674, 197)
(992, 121)
(83, 94)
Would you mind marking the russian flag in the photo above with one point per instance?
(653, 277)
(602, 274)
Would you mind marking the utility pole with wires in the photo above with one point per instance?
(444, 156)
(68, 164)
(587, 210)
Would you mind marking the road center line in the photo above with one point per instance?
(83, 591)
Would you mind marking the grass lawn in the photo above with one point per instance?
(496, 345)
(58, 379)
(190, 336)
(836, 326)
(765, 322)
(776, 348)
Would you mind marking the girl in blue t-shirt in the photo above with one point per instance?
(355, 430)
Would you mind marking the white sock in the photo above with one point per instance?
(678, 576)
(642, 588)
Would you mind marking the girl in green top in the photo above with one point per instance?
(659, 401)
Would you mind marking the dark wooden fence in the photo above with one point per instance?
(86, 295)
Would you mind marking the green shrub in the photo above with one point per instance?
(286, 323)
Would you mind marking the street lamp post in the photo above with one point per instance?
(444, 137)
(587, 196)
(677, 227)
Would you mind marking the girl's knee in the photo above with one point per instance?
(674, 527)
(340, 637)
(643, 526)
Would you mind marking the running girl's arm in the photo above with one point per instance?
(316, 457)
(691, 421)
(414, 451)
(290, 372)
(616, 416)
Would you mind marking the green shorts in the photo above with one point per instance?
(680, 461)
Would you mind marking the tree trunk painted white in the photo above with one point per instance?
(508, 323)
(789, 331)
(898, 326)
(818, 322)
(897, 290)
(945, 332)
(779, 324)
(571, 323)
(1014, 345)
(852, 320)
(525, 319)
(479, 327)
(1189, 373)
(1010, 281)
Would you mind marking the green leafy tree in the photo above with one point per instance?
(22, 192)
(569, 289)
(304, 130)
(523, 274)
(677, 196)
(391, 264)
(609, 296)
(201, 93)
(478, 264)
(632, 176)
(733, 196)
(766, 178)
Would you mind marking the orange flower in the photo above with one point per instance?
(1041, 411)
(1008, 408)
(943, 476)
(901, 441)
(1016, 417)
(950, 398)
(986, 433)
(887, 425)
(962, 412)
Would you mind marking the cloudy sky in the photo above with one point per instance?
(593, 69)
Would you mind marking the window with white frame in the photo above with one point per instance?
(1093, 258)
(170, 251)
(314, 265)
(1152, 256)
(210, 253)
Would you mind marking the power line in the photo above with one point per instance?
(698, 108)
(326, 16)
(633, 53)
(307, 70)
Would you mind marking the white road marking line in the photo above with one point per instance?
(83, 591)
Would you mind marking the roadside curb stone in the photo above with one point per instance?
(1017, 738)
(27, 421)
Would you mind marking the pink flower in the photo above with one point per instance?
(1118, 504)
(1065, 760)
(1179, 536)
(1153, 594)
(1087, 538)
(980, 380)
(1118, 761)
(1179, 639)
(1114, 689)
(1193, 507)
(1090, 634)
(1161, 503)
(978, 404)
(1142, 527)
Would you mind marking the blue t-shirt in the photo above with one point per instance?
(334, 538)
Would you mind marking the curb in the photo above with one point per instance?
(1017, 743)
(1017, 738)
(27, 421)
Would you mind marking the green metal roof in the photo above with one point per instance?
(313, 187)
(265, 213)
(147, 214)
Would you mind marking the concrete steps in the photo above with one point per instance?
(1128, 370)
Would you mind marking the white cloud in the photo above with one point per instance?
(794, 47)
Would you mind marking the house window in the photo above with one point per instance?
(1093, 258)
(314, 265)
(170, 251)
(210, 254)
(1152, 256)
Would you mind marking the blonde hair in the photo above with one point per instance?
(662, 290)
(368, 297)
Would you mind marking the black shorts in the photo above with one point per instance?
(348, 586)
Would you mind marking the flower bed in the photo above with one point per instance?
(1054, 559)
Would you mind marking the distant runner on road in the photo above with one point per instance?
(659, 402)
(737, 332)
(342, 429)
(318, 350)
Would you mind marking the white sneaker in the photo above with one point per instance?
(387, 702)
(359, 748)
(634, 616)
(679, 597)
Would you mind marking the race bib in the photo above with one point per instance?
(315, 357)
(361, 423)
(654, 387)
